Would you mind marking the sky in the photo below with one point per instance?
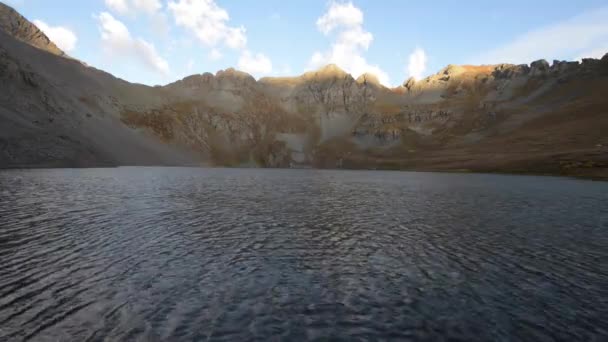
(160, 41)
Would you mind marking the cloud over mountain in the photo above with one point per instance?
(133, 6)
(208, 22)
(64, 38)
(350, 41)
(417, 63)
(118, 42)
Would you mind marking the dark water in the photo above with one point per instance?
(178, 254)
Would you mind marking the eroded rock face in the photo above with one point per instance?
(333, 91)
(329, 104)
(323, 104)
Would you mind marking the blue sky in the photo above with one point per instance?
(159, 41)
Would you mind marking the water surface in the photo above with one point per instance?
(189, 254)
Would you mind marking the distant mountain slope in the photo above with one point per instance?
(55, 111)
(511, 118)
(17, 26)
(537, 118)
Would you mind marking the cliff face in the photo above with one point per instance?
(518, 118)
(540, 118)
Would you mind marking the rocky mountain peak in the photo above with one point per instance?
(329, 68)
(452, 69)
(508, 71)
(368, 79)
(409, 83)
(233, 74)
(19, 27)
(233, 78)
(328, 71)
(539, 67)
(223, 79)
(194, 81)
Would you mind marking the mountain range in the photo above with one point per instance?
(541, 118)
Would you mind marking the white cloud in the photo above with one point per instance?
(340, 14)
(215, 55)
(256, 64)
(63, 37)
(147, 53)
(158, 20)
(147, 6)
(117, 41)
(133, 6)
(417, 64)
(118, 6)
(350, 43)
(208, 22)
(567, 39)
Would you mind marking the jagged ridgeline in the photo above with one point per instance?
(537, 118)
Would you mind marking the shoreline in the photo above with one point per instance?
(600, 178)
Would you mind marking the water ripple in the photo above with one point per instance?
(166, 254)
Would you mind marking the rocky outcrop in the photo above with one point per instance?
(563, 66)
(539, 67)
(330, 89)
(409, 83)
(509, 71)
